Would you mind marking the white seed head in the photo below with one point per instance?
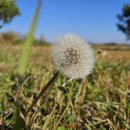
(73, 57)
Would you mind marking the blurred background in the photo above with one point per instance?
(104, 24)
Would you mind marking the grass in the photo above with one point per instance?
(101, 101)
(97, 102)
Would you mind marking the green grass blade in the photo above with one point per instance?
(29, 40)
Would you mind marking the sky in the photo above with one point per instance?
(93, 20)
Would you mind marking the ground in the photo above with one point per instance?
(98, 102)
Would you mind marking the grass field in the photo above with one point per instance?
(101, 101)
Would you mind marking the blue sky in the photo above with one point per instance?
(94, 20)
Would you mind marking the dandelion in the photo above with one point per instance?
(73, 57)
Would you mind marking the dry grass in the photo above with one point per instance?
(98, 102)
(113, 52)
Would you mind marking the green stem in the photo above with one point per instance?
(44, 89)
(29, 41)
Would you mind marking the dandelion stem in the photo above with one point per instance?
(44, 89)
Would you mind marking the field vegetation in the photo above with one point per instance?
(98, 102)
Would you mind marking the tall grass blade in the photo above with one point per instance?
(29, 40)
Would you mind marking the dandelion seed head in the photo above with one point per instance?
(73, 57)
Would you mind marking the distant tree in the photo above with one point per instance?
(8, 10)
(124, 20)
